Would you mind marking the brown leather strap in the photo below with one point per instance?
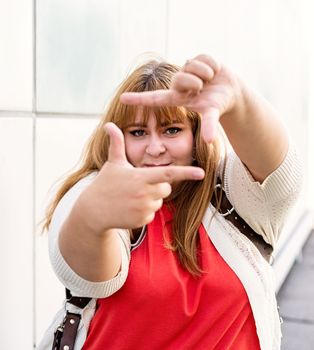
(80, 302)
(70, 326)
(230, 214)
(65, 334)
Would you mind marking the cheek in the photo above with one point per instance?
(188, 150)
(133, 151)
(184, 149)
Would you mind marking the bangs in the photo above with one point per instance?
(164, 115)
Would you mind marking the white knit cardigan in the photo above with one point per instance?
(263, 206)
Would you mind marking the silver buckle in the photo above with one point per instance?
(229, 211)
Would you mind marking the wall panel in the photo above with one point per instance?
(16, 233)
(16, 58)
(77, 55)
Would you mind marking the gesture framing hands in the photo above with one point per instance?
(203, 86)
(122, 196)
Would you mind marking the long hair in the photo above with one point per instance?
(190, 198)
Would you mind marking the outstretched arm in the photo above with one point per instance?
(252, 126)
(256, 133)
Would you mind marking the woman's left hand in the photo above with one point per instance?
(203, 86)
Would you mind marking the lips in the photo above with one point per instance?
(156, 165)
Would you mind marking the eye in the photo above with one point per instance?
(172, 131)
(137, 132)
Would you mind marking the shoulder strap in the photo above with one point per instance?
(65, 334)
(227, 210)
(76, 301)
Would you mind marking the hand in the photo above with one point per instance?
(203, 86)
(122, 196)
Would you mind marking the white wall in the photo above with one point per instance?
(16, 232)
(16, 175)
(50, 99)
(16, 59)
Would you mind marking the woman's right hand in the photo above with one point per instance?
(122, 196)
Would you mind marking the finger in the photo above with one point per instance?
(210, 61)
(148, 98)
(172, 174)
(150, 207)
(186, 82)
(200, 69)
(148, 219)
(209, 124)
(160, 190)
(156, 205)
(116, 152)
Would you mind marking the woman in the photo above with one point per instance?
(136, 225)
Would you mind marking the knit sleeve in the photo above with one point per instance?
(264, 206)
(71, 280)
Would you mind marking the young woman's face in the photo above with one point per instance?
(149, 145)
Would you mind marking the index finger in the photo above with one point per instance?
(148, 98)
(172, 173)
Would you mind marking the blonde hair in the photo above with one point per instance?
(190, 198)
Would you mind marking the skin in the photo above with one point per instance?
(203, 85)
(149, 146)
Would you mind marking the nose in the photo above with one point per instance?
(155, 146)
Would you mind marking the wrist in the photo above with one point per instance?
(88, 215)
(241, 97)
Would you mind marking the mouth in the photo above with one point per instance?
(156, 165)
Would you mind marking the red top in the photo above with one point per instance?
(162, 306)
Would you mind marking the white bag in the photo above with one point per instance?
(68, 337)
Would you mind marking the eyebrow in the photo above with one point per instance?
(145, 125)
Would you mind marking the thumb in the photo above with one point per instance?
(209, 124)
(116, 152)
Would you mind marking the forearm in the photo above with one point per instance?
(94, 256)
(256, 133)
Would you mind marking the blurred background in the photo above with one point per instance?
(60, 62)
